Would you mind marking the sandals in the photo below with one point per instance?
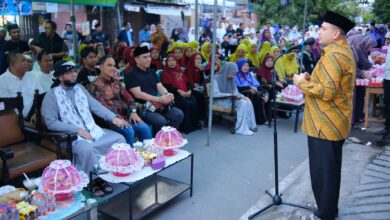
(97, 192)
(104, 186)
(99, 187)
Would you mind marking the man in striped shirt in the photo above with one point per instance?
(328, 111)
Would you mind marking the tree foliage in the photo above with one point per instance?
(271, 11)
(381, 10)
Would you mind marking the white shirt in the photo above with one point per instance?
(387, 66)
(220, 33)
(253, 41)
(10, 85)
(250, 30)
(45, 80)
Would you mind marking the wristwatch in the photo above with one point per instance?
(133, 110)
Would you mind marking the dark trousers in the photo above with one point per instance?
(360, 92)
(386, 85)
(325, 172)
(158, 120)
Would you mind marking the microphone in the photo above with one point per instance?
(308, 41)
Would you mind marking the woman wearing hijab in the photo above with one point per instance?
(177, 83)
(207, 68)
(156, 60)
(188, 51)
(194, 73)
(178, 54)
(265, 47)
(264, 75)
(267, 36)
(239, 53)
(290, 67)
(205, 50)
(252, 56)
(225, 86)
(175, 34)
(182, 35)
(250, 87)
(129, 56)
(360, 46)
(191, 34)
(194, 70)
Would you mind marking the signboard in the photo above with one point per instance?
(15, 7)
(107, 3)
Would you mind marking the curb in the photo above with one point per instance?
(283, 184)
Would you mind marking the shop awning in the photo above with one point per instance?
(168, 10)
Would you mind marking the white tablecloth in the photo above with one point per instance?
(146, 171)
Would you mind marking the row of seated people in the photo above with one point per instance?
(68, 106)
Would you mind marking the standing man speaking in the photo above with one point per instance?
(328, 111)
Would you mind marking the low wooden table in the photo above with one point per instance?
(371, 90)
(296, 107)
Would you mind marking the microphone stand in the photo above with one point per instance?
(277, 197)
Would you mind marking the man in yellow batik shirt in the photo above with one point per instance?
(328, 111)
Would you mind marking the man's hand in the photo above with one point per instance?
(165, 99)
(298, 78)
(188, 93)
(134, 118)
(254, 88)
(120, 123)
(84, 134)
(307, 76)
(279, 84)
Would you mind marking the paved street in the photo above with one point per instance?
(232, 173)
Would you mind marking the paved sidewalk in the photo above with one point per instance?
(364, 194)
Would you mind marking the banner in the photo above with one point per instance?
(106, 3)
(15, 7)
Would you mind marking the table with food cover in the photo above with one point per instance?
(291, 99)
(148, 189)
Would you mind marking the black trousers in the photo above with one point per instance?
(358, 111)
(386, 85)
(325, 172)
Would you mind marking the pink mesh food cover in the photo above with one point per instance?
(121, 158)
(62, 177)
(169, 138)
(292, 93)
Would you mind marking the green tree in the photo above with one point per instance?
(292, 13)
(381, 10)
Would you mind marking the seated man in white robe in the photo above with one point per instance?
(18, 79)
(45, 73)
(67, 108)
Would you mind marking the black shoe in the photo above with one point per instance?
(381, 132)
(384, 141)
